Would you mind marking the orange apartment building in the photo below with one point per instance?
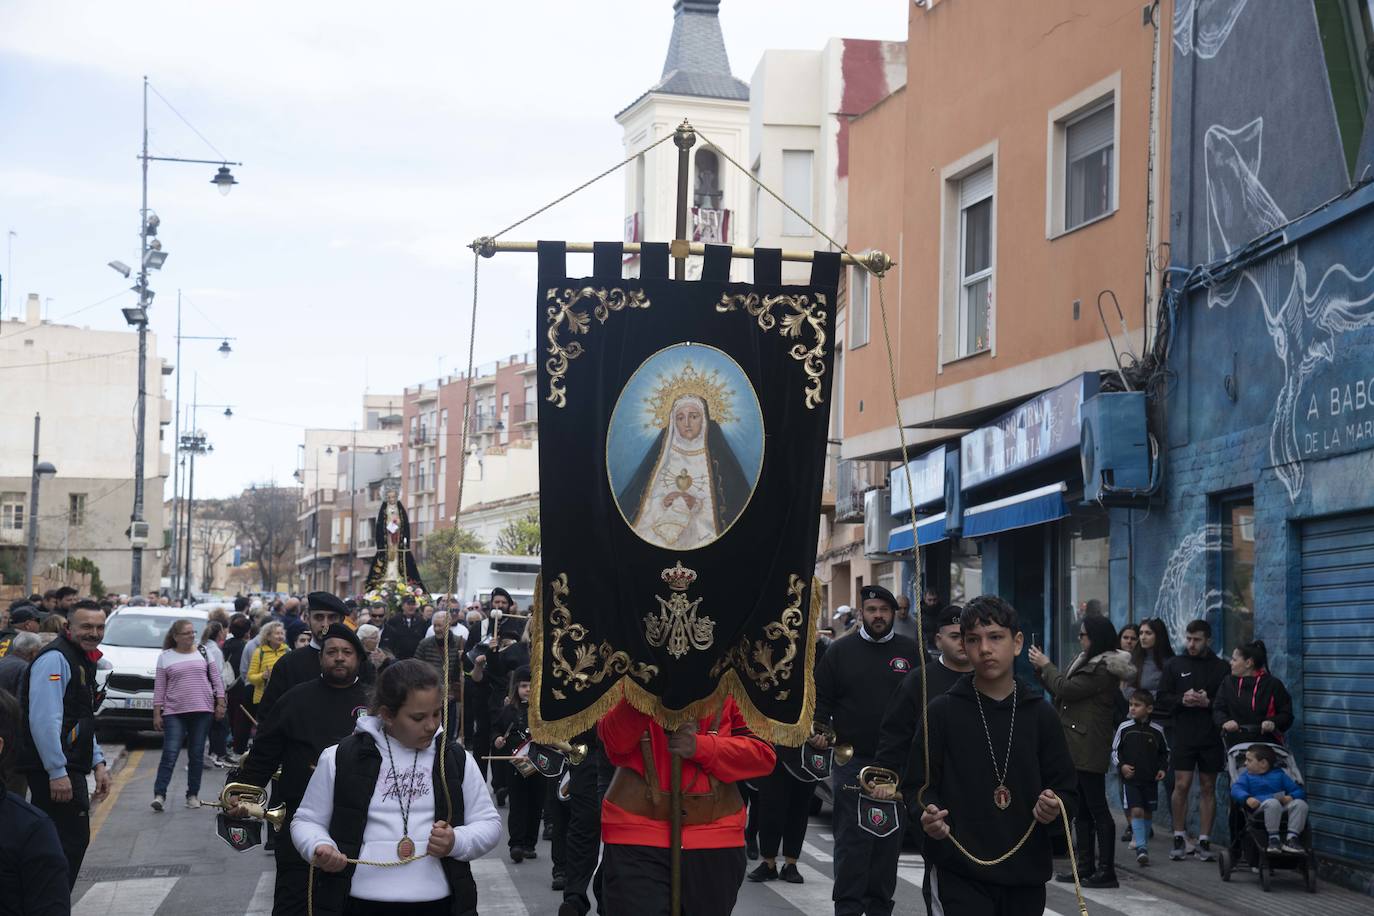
(1019, 152)
(503, 415)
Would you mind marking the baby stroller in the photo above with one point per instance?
(1248, 835)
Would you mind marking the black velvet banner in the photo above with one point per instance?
(682, 432)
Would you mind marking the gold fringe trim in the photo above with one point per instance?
(788, 734)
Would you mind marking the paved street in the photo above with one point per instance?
(169, 864)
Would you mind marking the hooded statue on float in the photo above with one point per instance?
(394, 561)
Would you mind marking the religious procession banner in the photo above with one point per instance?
(682, 430)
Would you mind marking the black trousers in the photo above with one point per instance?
(865, 865)
(71, 818)
(293, 876)
(526, 804)
(749, 791)
(950, 893)
(636, 880)
(784, 804)
(1093, 828)
(605, 772)
(582, 837)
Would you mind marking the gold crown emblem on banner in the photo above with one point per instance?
(679, 577)
(709, 386)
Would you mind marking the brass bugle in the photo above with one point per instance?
(252, 800)
(874, 778)
(843, 752)
(576, 753)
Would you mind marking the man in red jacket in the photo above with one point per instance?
(717, 752)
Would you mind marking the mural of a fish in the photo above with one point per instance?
(1303, 322)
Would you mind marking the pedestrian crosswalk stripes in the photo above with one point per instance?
(135, 896)
(496, 891)
(261, 904)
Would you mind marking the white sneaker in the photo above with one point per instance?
(159, 802)
(192, 801)
(212, 760)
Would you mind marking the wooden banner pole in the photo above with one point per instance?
(684, 139)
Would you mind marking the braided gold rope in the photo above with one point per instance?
(916, 548)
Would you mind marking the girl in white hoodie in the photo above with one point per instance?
(380, 795)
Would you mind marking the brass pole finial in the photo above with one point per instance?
(685, 137)
(877, 261)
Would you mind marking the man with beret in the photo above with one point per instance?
(302, 665)
(854, 681)
(309, 718)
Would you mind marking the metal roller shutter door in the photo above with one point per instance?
(1338, 682)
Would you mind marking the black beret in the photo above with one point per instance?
(877, 592)
(323, 601)
(521, 674)
(948, 617)
(339, 631)
(500, 591)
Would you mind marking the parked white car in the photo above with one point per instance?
(133, 641)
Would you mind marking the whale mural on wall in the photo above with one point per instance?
(1303, 316)
(1202, 26)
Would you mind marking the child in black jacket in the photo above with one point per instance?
(1140, 754)
(526, 792)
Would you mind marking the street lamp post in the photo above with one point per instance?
(193, 443)
(224, 350)
(41, 469)
(151, 257)
(353, 510)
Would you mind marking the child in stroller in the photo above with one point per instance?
(1266, 792)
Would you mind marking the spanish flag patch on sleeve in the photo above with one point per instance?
(54, 677)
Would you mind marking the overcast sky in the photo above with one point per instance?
(377, 141)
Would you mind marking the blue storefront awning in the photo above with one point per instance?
(1022, 510)
(928, 531)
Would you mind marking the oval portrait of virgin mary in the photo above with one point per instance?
(685, 446)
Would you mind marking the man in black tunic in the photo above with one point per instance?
(854, 682)
(300, 666)
(903, 714)
(308, 718)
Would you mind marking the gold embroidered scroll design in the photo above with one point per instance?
(563, 314)
(677, 625)
(590, 664)
(802, 313)
(755, 661)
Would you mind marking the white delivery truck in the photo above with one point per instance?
(479, 573)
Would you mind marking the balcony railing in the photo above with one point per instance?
(487, 423)
(853, 479)
(422, 437)
(527, 412)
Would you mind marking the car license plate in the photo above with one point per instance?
(140, 703)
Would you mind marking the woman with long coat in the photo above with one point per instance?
(1084, 696)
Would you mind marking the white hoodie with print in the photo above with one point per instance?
(422, 879)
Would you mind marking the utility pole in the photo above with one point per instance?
(33, 512)
(136, 559)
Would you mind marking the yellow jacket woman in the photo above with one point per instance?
(267, 654)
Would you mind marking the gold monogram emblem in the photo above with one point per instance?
(677, 625)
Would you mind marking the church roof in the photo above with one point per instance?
(697, 64)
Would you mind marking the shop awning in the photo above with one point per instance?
(928, 531)
(1034, 507)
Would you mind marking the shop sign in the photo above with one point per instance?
(927, 474)
(1337, 418)
(1045, 426)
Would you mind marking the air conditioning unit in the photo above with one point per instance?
(877, 521)
(1114, 448)
(138, 534)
